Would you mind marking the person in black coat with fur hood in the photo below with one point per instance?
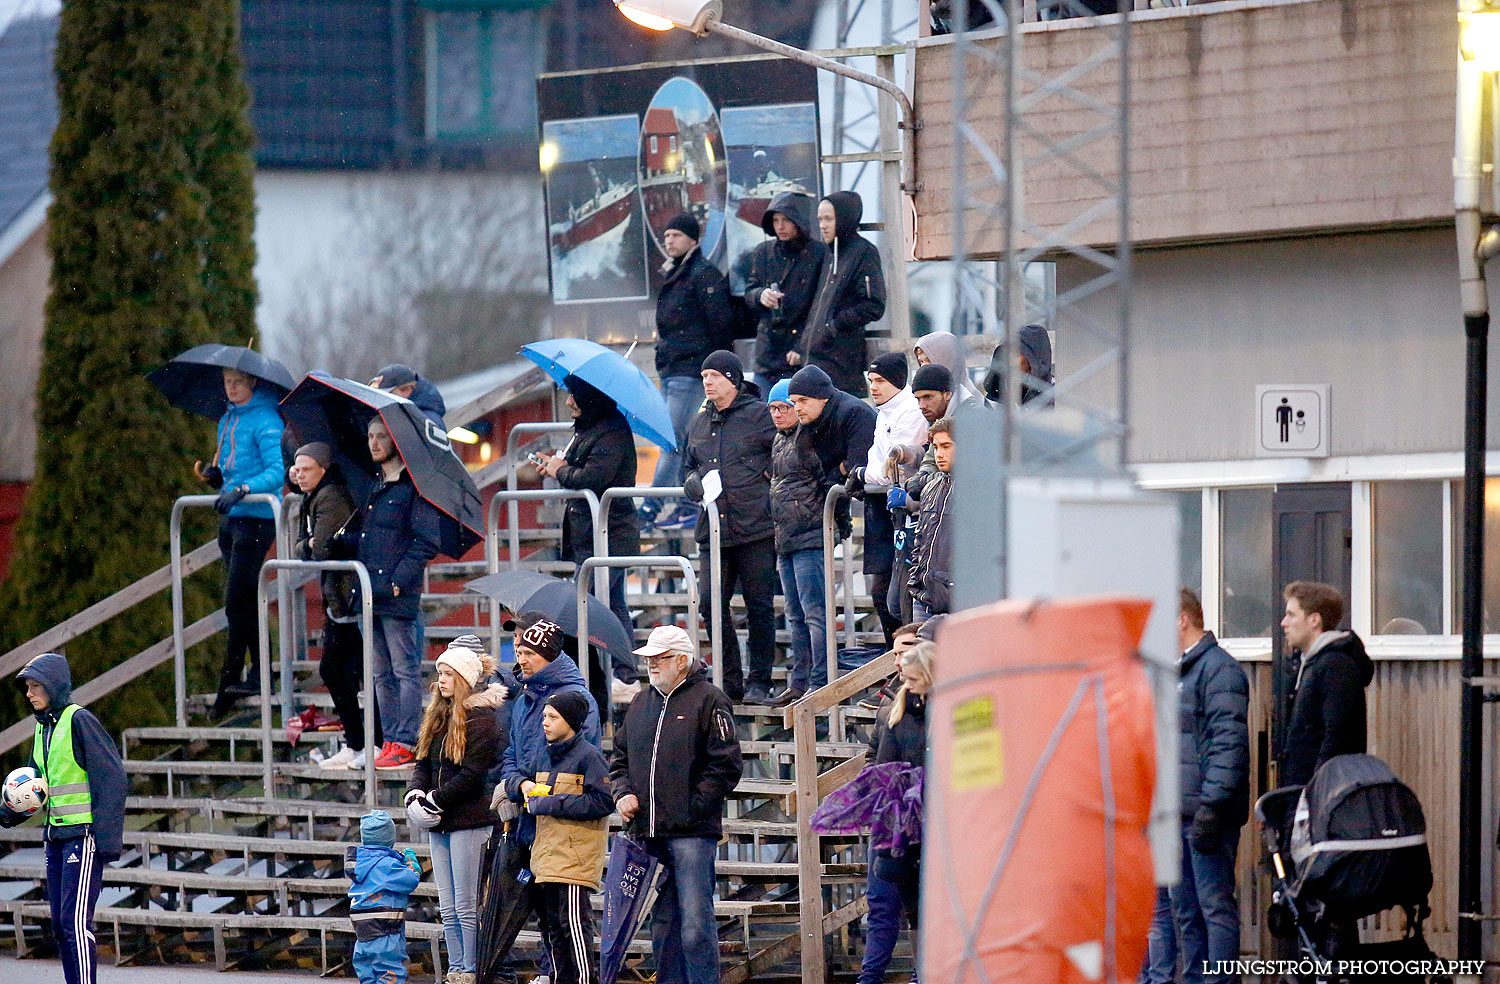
(600, 456)
(850, 295)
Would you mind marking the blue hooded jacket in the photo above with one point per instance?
(429, 401)
(380, 877)
(93, 749)
(527, 753)
(250, 450)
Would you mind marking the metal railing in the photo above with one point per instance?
(830, 606)
(513, 517)
(715, 564)
(492, 546)
(661, 563)
(283, 598)
(367, 634)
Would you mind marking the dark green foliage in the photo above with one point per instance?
(150, 238)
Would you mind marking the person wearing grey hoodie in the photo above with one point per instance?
(850, 295)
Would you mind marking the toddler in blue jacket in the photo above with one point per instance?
(381, 880)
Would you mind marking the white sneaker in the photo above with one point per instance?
(621, 692)
(344, 759)
(358, 763)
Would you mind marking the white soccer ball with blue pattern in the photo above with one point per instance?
(25, 791)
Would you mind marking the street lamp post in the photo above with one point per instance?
(1479, 53)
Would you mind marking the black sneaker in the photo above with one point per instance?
(787, 696)
(887, 690)
(758, 693)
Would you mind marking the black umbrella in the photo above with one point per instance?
(338, 412)
(524, 591)
(194, 381)
(504, 903)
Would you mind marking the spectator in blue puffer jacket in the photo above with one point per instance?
(248, 461)
(399, 533)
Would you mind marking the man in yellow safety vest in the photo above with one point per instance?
(84, 814)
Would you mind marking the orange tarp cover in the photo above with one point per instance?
(1040, 727)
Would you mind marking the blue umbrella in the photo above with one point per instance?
(630, 885)
(612, 374)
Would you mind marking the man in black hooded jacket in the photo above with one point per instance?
(781, 282)
(850, 295)
(732, 435)
(600, 456)
(1328, 699)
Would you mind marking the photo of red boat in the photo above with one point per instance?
(596, 243)
(683, 167)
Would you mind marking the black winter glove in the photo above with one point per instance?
(1205, 833)
(214, 476)
(692, 487)
(343, 545)
(229, 498)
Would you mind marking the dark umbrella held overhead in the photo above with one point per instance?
(630, 885)
(524, 591)
(194, 380)
(504, 903)
(338, 412)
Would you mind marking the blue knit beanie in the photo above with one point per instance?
(781, 392)
(377, 829)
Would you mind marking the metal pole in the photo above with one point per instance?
(263, 626)
(492, 549)
(514, 526)
(1467, 175)
(893, 216)
(595, 563)
(285, 620)
(830, 600)
(715, 603)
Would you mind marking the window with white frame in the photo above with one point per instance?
(1190, 538)
(1406, 545)
(1245, 589)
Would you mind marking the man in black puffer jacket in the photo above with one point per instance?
(781, 281)
(675, 759)
(694, 316)
(732, 435)
(1214, 780)
(600, 456)
(850, 295)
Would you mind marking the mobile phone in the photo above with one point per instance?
(537, 459)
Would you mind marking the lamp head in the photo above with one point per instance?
(663, 15)
(1479, 37)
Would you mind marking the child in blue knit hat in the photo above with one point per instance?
(382, 879)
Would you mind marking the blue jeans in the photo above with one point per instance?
(456, 859)
(1161, 943)
(1203, 903)
(684, 936)
(888, 900)
(398, 678)
(684, 395)
(802, 585)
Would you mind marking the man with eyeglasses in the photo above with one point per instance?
(675, 759)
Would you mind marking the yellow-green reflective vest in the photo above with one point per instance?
(67, 782)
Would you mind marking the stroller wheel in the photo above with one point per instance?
(1281, 921)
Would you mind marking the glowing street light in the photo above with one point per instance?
(1479, 38)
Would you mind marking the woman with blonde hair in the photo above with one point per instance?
(900, 735)
(455, 749)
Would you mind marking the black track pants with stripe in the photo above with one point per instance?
(73, 879)
(568, 927)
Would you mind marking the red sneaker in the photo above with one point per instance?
(394, 756)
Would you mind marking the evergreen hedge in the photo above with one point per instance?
(150, 239)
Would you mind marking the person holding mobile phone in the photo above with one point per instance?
(782, 275)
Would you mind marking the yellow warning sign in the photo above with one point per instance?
(978, 754)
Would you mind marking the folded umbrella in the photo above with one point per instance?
(630, 884)
(504, 904)
(556, 598)
(612, 374)
(338, 412)
(194, 380)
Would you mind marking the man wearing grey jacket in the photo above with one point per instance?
(1214, 755)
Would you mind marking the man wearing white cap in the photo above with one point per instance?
(675, 759)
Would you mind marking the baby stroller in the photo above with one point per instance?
(1351, 843)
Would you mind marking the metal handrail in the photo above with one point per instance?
(592, 563)
(179, 620)
(367, 633)
(492, 546)
(715, 564)
(830, 606)
(513, 516)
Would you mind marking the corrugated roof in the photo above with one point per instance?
(28, 112)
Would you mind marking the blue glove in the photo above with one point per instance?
(229, 498)
(897, 498)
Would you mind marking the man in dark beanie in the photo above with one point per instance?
(932, 385)
(732, 436)
(839, 429)
(694, 316)
(780, 280)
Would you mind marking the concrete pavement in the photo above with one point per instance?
(13, 971)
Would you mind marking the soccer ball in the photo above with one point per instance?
(25, 791)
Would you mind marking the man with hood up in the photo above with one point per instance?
(1033, 362)
(850, 295)
(399, 379)
(1328, 698)
(943, 348)
(781, 282)
(84, 816)
(732, 435)
(600, 456)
